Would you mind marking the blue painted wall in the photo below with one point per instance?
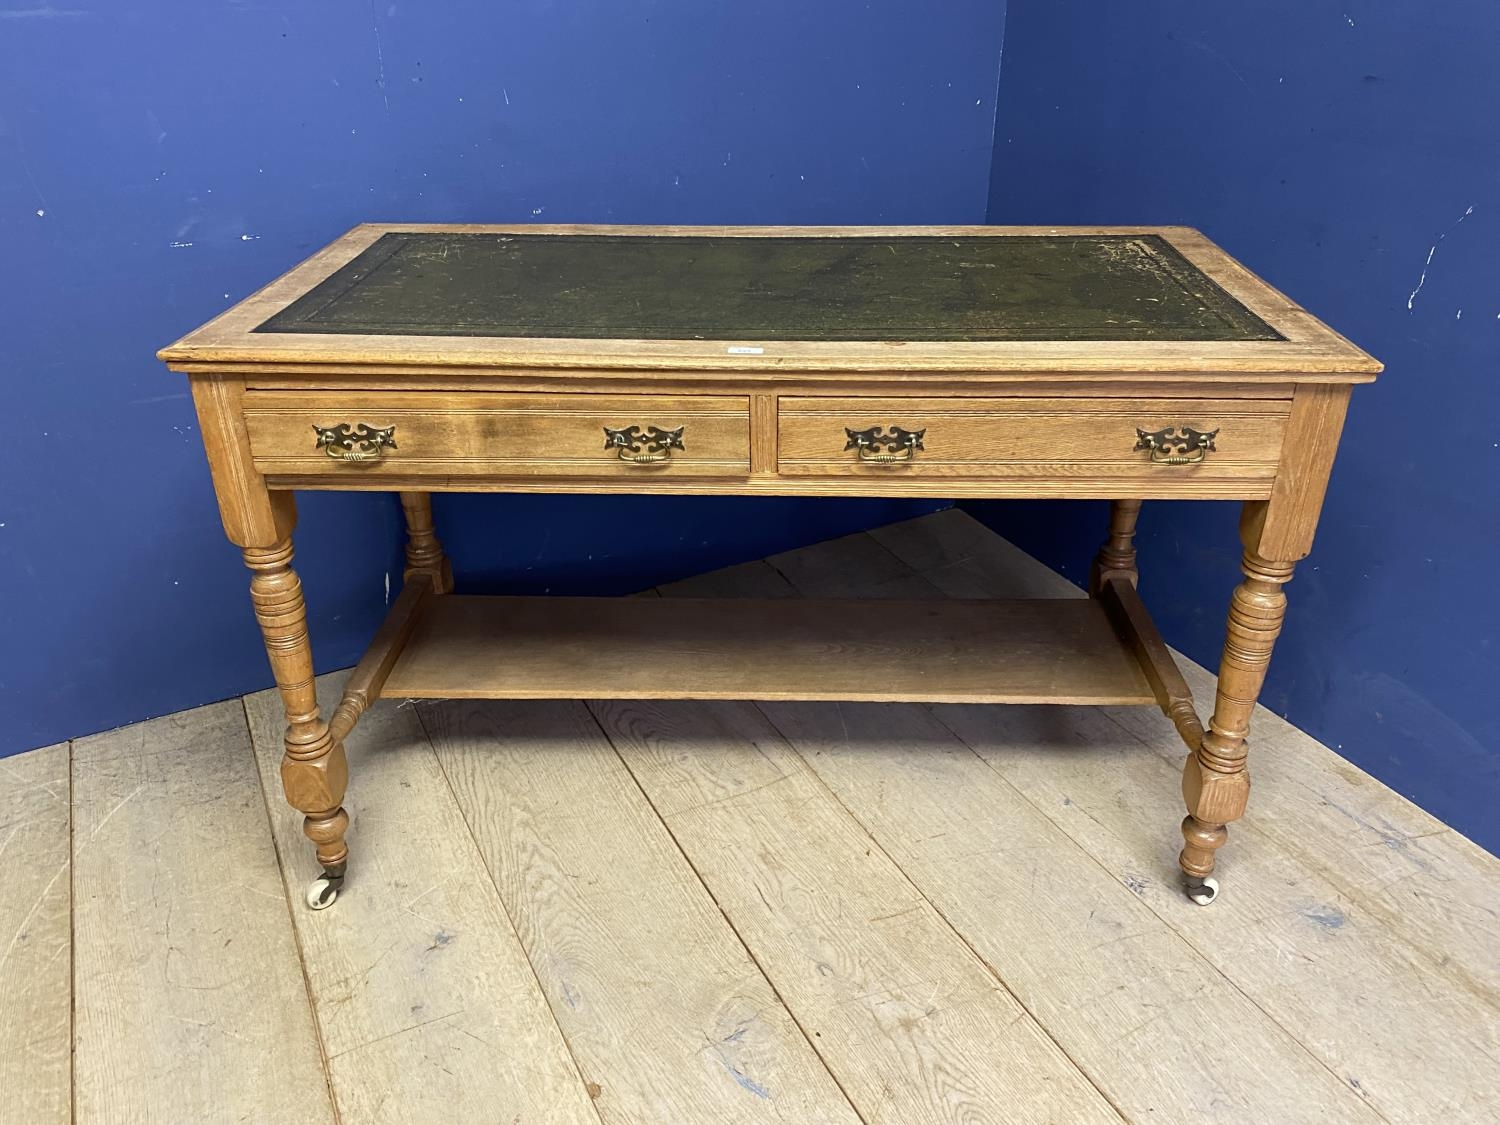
(158, 161)
(1349, 153)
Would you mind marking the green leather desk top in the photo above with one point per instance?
(1035, 287)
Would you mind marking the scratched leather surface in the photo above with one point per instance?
(1020, 287)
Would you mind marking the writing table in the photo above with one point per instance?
(1118, 363)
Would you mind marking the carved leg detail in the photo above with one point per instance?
(1215, 782)
(1116, 558)
(423, 551)
(314, 771)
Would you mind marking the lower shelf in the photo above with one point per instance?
(1063, 651)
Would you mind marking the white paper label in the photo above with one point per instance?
(740, 349)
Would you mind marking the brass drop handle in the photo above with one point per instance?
(1168, 447)
(652, 447)
(875, 447)
(355, 443)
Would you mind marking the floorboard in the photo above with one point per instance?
(818, 571)
(668, 1015)
(1357, 996)
(190, 1004)
(428, 1008)
(36, 1028)
(914, 1026)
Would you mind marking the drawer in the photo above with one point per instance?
(1006, 438)
(297, 433)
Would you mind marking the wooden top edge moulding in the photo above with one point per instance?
(1064, 301)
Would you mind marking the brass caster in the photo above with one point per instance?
(1202, 891)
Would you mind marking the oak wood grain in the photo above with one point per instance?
(314, 771)
(363, 686)
(497, 434)
(1021, 482)
(252, 516)
(1215, 778)
(996, 438)
(554, 647)
(952, 384)
(1116, 557)
(763, 434)
(1283, 526)
(1173, 696)
(424, 551)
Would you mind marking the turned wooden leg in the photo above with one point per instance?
(314, 771)
(424, 554)
(1215, 783)
(1116, 558)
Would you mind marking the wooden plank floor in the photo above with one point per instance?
(678, 912)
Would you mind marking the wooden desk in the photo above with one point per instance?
(1120, 363)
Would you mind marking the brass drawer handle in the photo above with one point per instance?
(1169, 448)
(362, 443)
(649, 448)
(875, 447)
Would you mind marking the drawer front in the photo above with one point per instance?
(297, 433)
(1008, 438)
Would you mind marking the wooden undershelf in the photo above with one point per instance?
(1033, 651)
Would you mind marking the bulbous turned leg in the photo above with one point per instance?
(1116, 557)
(1215, 782)
(424, 554)
(314, 771)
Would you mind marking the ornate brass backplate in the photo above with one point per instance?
(652, 447)
(359, 443)
(1171, 448)
(880, 448)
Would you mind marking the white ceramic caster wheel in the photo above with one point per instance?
(1203, 891)
(322, 892)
